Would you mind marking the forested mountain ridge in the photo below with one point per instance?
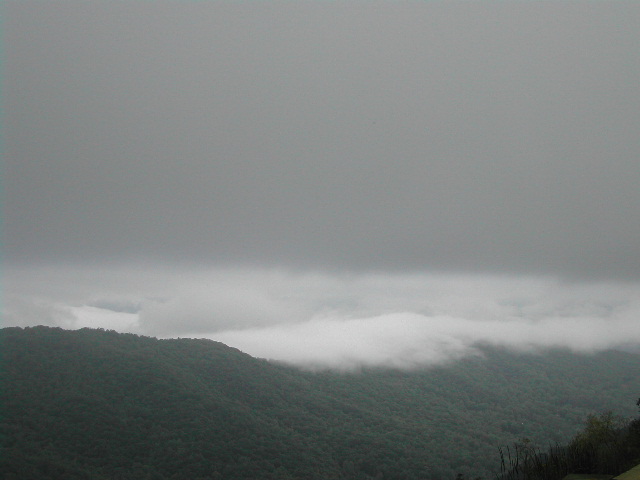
(97, 404)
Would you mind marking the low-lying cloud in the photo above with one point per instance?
(409, 340)
(322, 320)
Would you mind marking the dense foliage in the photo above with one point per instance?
(94, 404)
(607, 446)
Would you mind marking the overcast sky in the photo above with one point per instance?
(330, 183)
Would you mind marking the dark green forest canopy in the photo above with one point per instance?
(95, 404)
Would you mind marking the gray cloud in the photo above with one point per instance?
(334, 320)
(460, 137)
(26, 311)
(327, 184)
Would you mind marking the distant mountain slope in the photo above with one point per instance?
(93, 404)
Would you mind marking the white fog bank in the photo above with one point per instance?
(332, 320)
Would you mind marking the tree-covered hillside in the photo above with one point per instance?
(94, 404)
